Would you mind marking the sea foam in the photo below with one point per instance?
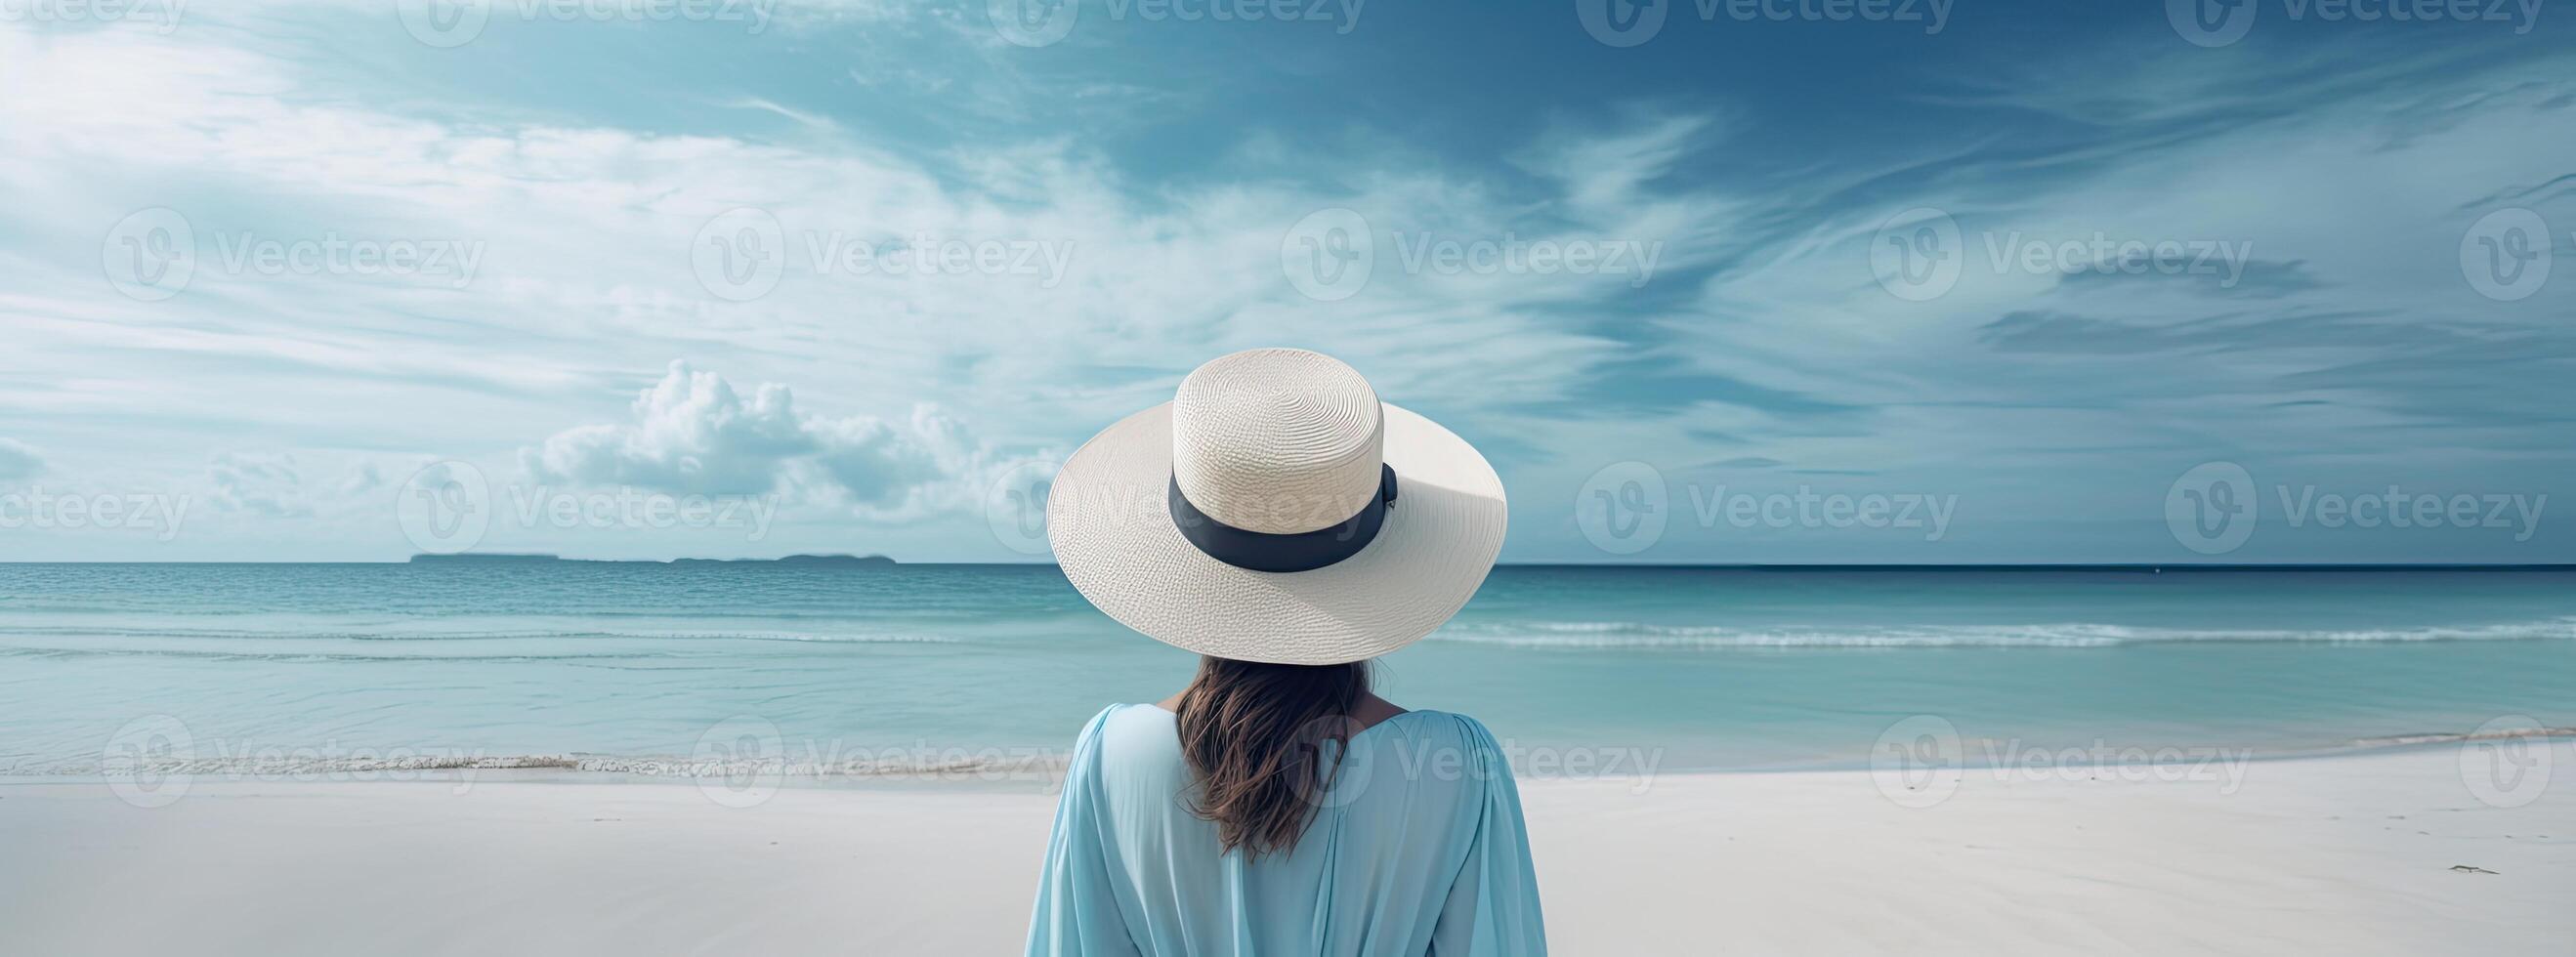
(1581, 635)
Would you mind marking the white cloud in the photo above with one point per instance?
(259, 483)
(364, 478)
(692, 432)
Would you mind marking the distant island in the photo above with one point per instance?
(850, 561)
(510, 558)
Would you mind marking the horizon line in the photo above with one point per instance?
(1679, 566)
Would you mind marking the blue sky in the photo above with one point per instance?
(1795, 282)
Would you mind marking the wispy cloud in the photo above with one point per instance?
(965, 256)
(18, 462)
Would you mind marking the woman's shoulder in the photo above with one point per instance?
(1446, 724)
(1118, 741)
(1150, 722)
(1442, 758)
(1127, 712)
(1418, 721)
(1129, 730)
(1121, 719)
(1435, 739)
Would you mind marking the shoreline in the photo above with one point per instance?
(1024, 766)
(2361, 847)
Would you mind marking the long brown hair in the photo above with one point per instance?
(1254, 736)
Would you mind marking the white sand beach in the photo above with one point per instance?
(2352, 855)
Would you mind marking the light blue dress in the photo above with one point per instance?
(1418, 848)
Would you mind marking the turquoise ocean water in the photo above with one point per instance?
(610, 667)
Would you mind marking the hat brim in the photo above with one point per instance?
(1110, 524)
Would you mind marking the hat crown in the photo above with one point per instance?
(1277, 441)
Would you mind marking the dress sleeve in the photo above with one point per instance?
(1492, 909)
(1077, 911)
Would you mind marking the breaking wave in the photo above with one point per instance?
(291, 634)
(306, 764)
(1581, 635)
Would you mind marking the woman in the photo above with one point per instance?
(1279, 520)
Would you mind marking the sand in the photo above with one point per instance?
(2348, 855)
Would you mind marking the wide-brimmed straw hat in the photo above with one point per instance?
(1276, 511)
